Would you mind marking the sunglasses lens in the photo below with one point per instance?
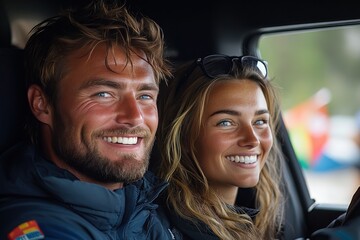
(217, 65)
(254, 63)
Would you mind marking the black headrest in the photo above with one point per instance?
(13, 103)
(5, 30)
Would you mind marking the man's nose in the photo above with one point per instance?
(128, 111)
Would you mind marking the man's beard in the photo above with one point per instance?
(87, 159)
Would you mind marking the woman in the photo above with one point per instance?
(218, 123)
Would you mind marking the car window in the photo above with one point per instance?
(318, 74)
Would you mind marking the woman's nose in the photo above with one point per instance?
(248, 137)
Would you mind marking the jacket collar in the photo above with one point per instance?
(40, 178)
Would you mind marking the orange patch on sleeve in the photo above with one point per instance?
(26, 231)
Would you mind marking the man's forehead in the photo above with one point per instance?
(113, 57)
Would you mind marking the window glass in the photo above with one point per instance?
(318, 76)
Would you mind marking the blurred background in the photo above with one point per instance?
(319, 75)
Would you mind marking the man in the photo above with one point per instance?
(93, 78)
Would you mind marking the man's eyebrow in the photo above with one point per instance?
(149, 86)
(236, 113)
(117, 85)
(100, 82)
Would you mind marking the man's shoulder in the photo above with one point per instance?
(18, 216)
(165, 219)
(44, 229)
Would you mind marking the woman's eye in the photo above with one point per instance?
(261, 122)
(224, 123)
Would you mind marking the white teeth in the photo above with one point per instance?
(243, 159)
(122, 140)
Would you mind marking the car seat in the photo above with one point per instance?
(12, 87)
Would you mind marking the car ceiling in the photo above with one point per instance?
(195, 28)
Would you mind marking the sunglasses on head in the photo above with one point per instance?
(217, 65)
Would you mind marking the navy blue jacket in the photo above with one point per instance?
(33, 188)
(200, 231)
(188, 230)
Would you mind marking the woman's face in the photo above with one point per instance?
(236, 138)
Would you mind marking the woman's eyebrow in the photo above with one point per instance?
(262, 111)
(226, 111)
(236, 113)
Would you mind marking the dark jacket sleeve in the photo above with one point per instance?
(348, 231)
(347, 226)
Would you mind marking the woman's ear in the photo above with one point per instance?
(39, 104)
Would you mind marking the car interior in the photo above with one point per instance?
(192, 29)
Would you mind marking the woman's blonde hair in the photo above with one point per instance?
(189, 194)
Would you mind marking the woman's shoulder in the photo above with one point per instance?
(186, 229)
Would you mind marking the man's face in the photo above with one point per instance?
(105, 121)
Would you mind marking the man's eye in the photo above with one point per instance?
(145, 97)
(103, 94)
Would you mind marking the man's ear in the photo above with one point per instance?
(39, 104)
